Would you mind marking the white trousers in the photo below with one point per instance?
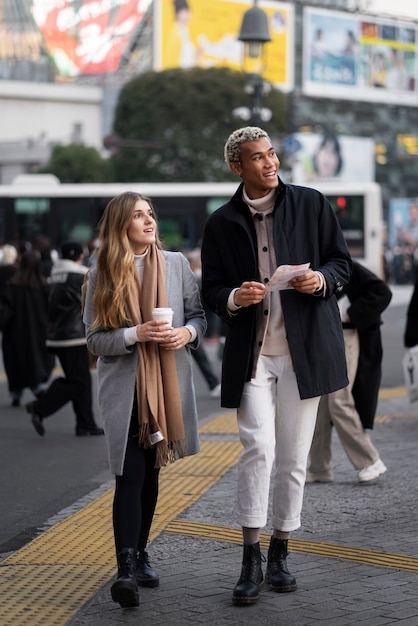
(276, 429)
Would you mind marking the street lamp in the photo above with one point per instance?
(254, 34)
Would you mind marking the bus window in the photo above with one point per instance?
(173, 233)
(74, 218)
(215, 203)
(32, 217)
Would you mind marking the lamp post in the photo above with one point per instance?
(254, 33)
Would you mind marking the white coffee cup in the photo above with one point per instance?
(164, 314)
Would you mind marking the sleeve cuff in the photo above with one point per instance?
(231, 306)
(192, 331)
(130, 336)
(321, 291)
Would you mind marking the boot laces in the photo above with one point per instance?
(143, 557)
(126, 564)
(251, 563)
(278, 556)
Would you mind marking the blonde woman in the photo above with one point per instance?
(144, 370)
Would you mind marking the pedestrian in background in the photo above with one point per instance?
(42, 243)
(283, 349)
(144, 369)
(351, 410)
(23, 320)
(8, 265)
(66, 339)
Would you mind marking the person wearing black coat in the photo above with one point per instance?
(410, 338)
(66, 339)
(23, 319)
(352, 409)
(283, 348)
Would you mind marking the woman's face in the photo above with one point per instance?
(183, 16)
(142, 230)
(327, 160)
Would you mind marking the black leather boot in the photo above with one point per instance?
(277, 574)
(125, 589)
(146, 575)
(247, 589)
(36, 419)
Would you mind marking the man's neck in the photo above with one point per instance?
(260, 204)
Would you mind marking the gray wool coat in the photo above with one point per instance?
(117, 363)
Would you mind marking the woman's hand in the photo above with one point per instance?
(161, 332)
(157, 331)
(178, 338)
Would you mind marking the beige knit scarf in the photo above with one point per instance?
(159, 406)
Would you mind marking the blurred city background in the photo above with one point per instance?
(101, 93)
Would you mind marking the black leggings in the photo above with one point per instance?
(136, 494)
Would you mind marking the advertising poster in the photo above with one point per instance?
(403, 222)
(360, 58)
(87, 36)
(332, 158)
(199, 33)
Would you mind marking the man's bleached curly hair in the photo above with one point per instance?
(234, 141)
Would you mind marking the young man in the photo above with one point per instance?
(284, 349)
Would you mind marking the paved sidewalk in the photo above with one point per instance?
(355, 556)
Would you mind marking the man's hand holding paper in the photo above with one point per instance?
(284, 276)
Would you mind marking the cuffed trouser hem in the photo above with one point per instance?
(251, 521)
(286, 526)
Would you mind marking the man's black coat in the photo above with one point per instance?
(305, 229)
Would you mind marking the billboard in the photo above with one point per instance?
(85, 37)
(358, 57)
(199, 33)
(331, 158)
(403, 222)
(399, 9)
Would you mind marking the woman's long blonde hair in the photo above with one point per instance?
(115, 264)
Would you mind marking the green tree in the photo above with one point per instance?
(172, 125)
(76, 163)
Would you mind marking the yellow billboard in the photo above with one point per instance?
(203, 33)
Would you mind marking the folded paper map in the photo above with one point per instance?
(285, 273)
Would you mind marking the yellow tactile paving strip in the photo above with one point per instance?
(392, 392)
(318, 548)
(225, 424)
(47, 581)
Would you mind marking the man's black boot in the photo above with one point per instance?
(125, 589)
(247, 589)
(277, 574)
(146, 575)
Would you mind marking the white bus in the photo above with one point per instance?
(41, 205)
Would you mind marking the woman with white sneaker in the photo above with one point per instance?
(352, 409)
